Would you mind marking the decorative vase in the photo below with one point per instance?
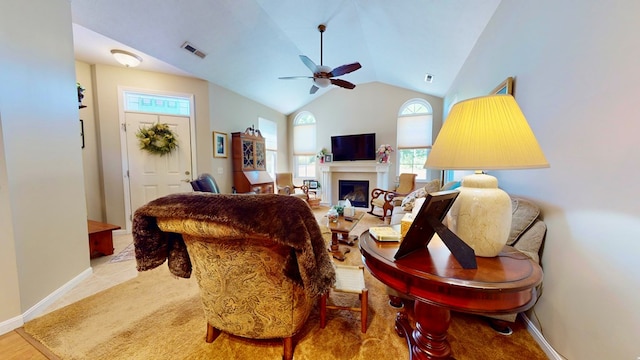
(332, 215)
(481, 215)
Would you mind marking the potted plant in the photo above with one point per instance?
(320, 155)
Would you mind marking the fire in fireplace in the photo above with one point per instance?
(356, 191)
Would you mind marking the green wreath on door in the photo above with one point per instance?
(157, 139)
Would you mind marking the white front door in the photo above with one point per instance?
(150, 175)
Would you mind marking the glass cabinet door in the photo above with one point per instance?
(247, 154)
(260, 156)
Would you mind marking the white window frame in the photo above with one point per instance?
(304, 145)
(269, 129)
(415, 117)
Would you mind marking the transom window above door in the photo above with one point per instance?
(158, 104)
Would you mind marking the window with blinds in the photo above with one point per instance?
(415, 137)
(304, 145)
(269, 130)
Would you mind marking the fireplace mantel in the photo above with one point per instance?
(327, 169)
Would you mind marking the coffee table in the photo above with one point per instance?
(340, 233)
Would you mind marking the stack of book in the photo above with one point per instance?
(385, 233)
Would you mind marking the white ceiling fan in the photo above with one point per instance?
(324, 75)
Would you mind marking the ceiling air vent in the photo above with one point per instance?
(192, 49)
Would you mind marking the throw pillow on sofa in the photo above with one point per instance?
(408, 201)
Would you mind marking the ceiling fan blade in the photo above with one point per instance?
(295, 77)
(343, 83)
(313, 89)
(345, 69)
(310, 64)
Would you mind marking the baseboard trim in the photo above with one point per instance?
(43, 304)
(121, 232)
(539, 338)
(11, 324)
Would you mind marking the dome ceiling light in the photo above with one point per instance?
(126, 58)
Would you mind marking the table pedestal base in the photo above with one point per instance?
(347, 239)
(336, 250)
(429, 339)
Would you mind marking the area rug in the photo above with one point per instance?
(128, 253)
(157, 316)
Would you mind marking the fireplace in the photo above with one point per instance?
(333, 171)
(356, 191)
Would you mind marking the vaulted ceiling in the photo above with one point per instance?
(250, 43)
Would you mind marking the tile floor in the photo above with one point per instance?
(105, 275)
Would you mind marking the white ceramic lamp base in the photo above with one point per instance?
(481, 215)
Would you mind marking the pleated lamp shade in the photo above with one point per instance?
(484, 133)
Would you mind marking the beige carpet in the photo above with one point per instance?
(156, 316)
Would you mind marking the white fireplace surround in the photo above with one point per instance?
(327, 170)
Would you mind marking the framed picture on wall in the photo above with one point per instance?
(328, 158)
(505, 87)
(219, 144)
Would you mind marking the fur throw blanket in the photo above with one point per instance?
(287, 220)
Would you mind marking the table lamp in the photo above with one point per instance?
(484, 133)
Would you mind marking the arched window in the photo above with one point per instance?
(415, 137)
(304, 145)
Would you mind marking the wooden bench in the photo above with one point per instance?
(100, 238)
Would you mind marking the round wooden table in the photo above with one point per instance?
(432, 276)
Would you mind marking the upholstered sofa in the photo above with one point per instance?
(527, 230)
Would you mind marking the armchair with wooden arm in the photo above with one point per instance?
(387, 199)
(285, 186)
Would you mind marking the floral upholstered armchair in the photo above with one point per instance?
(259, 275)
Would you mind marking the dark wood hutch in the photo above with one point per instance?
(249, 162)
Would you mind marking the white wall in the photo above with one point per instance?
(10, 294)
(91, 161)
(217, 109)
(104, 88)
(369, 108)
(43, 224)
(577, 81)
(231, 113)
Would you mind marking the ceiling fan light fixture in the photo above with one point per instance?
(126, 58)
(322, 82)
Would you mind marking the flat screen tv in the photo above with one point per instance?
(353, 147)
